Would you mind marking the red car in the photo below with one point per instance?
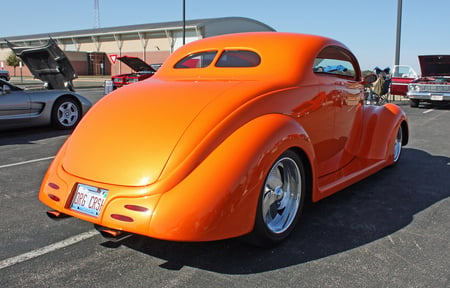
(142, 72)
(402, 75)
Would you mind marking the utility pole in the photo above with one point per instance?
(399, 32)
(96, 15)
(184, 22)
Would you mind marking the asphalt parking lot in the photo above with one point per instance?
(389, 230)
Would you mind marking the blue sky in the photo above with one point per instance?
(368, 28)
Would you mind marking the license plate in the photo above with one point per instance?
(88, 199)
(437, 97)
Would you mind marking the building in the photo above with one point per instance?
(94, 51)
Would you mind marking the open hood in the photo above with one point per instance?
(435, 65)
(47, 63)
(136, 64)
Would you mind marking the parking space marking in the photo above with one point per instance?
(47, 249)
(428, 111)
(26, 162)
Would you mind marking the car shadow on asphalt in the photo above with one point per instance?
(30, 135)
(365, 212)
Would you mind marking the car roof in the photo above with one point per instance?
(289, 54)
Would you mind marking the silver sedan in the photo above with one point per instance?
(24, 108)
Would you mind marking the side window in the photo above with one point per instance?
(337, 62)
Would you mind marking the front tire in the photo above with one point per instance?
(280, 202)
(413, 103)
(66, 113)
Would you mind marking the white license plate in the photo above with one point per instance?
(437, 97)
(88, 199)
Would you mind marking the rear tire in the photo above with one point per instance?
(280, 202)
(398, 143)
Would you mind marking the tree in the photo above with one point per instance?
(14, 61)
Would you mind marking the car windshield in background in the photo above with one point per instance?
(229, 58)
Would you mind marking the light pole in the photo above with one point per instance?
(184, 22)
(399, 32)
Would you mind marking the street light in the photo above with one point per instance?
(184, 22)
(399, 31)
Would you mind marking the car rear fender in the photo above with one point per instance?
(219, 198)
(379, 129)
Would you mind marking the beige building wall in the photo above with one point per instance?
(88, 50)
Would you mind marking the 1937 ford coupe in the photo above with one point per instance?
(230, 137)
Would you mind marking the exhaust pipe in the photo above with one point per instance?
(112, 235)
(56, 215)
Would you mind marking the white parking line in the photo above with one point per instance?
(26, 162)
(428, 111)
(47, 249)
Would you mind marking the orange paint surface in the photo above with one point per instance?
(192, 146)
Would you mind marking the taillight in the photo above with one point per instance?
(53, 186)
(122, 218)
(136, 208)
(53, 197)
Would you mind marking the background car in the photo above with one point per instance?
(47, 63)
(141, 72)
(229, 138)
(401, 76)
(434, 84)
(5, 75)
(24, 108)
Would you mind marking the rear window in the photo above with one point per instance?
(197, 60)
(238, 58)
(228, 58)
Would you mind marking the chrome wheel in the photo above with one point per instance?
(281, 196)
(398, 144)
(280, 202)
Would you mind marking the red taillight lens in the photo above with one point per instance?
(136, 208)
(53, 197)
(122, 218)
(53, 186)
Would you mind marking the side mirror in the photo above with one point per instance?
(6, 89)
(369, 79)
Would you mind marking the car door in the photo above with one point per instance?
(338, 73)
(14, 106)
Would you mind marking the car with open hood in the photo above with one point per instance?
(58, 104)
(20, 108)
(47, 63)
(230, 137)
(141, 71)
(434, 84)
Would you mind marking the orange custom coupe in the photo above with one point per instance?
(230, 137)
